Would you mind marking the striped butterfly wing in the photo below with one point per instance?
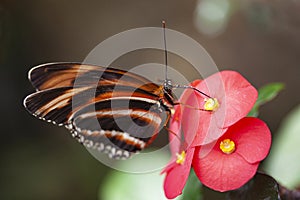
(119, 130)
(56, 75)
(108, 109)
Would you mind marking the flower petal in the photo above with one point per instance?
(177, 175)
(253, 138)
(208, 131)
(190, 117)
(240, 96)
(222, 172)
(235, 94)
(175, 131)
(199, 127)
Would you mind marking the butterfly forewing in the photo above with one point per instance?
(59, 104)
(53, 105)
(108, 109)
(55, 75)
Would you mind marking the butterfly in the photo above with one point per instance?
(111, 110)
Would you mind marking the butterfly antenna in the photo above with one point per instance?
(167, 83)
(166, 53)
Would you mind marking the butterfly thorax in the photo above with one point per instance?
(166, 96)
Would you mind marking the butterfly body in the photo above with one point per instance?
(111, 110)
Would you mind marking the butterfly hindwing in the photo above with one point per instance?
(139, 120)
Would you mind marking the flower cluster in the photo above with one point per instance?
(223, 146)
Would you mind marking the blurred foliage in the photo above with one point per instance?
(125, 186)
(283, 163)
(258, 13)
(129, 186)
(265, 94)
(212, 16)
(49, 171)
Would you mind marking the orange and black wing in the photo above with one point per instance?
(56, 75)
(100, 106)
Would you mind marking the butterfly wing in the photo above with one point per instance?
(101, 106)
(128, 127)
(52, 105)
(58, 105)
(56, 75)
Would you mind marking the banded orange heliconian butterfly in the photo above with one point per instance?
(111, 110)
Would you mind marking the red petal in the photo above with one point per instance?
(223, 172)
(240, 96)
(190, 117)
(199, 127)
(204, 132)
(235, 94)
(177, 175)
(175, 128)
(208, 131)
(236, 97)
(169, 166)
(252, 137)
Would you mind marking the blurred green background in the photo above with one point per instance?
(260, 39)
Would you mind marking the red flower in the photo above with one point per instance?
(235, 157)
(178, 169)
(177, 172)
(217, 109)
(230, 98)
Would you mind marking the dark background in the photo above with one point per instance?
(41, 161)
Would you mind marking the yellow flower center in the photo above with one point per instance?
(227, 146)
(180, 158)
(211, 104)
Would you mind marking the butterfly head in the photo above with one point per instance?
(167, 87)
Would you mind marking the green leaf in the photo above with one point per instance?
(283, 162)
(265, 94)
(261, 186)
